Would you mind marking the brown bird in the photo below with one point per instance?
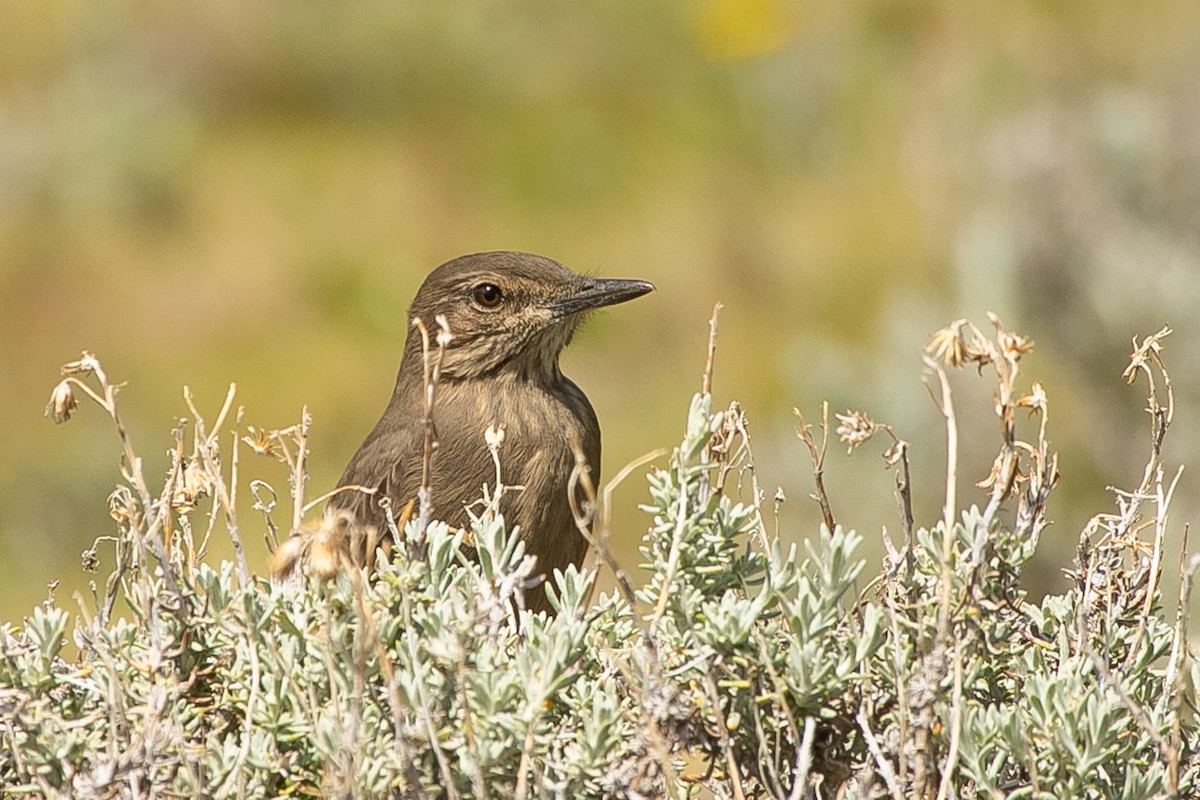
(509, 316)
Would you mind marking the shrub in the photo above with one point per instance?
(740, 668)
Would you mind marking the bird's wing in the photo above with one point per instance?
(384, 463)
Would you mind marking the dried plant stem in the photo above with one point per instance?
(1107, 679)
(803, 739)
(206, 447)
(581, 480)
(732, 768)
(1162, 501)
(881, 762)
(904, 500)
(817, 456)
(681, 520)
(1173, 681)
(299, 471)
(131, 462)
(949, 509)
(432, 366)
(142, 526)
(706, 383)
(235, 450)
(804, 759)
(599, 534)
(903, 709)
(956, 699)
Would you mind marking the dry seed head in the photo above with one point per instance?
(1035, 400)
(1147, 351)
(855, 429)
(62, 402)
(948, 345)
(993, 474)
(193, 484)
(982, 352)
(323, 550)
(893, 454)
(91, 560)
(260, 441)
(494, 436)
(1013, 345)
(288, 557)
(85, 365)
(322, 559)
(121, 504)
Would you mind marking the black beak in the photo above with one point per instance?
(597, 293)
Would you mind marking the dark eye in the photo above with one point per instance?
(488, 295)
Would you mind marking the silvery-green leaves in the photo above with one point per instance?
(749, 665)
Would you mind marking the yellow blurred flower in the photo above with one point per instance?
(730, 30)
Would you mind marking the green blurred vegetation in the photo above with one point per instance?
(220, 192)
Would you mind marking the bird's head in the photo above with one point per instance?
(507, 311)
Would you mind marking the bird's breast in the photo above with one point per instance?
(542, 427)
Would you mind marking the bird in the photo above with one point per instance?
(508, 315)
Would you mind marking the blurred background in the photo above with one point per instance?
(213, 193)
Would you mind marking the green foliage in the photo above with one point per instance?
(741, 667)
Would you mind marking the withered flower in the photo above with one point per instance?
(494, 437)
(948, 346)
(855, 429)
(62, 402)
(893, 454)
(1035, 400)
(86, 364)
(324, 550)
(1006, 481)
(261, 442)
(1014, 345)
(1148, 350)
(193, 484)
(121, 504)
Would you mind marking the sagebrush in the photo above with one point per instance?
(741, 667)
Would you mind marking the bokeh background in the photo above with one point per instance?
(214, 192)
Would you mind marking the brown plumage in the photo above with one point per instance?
(509, 315)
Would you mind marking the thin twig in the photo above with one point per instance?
(951, 764)
(817, 456)
(681, 520)
(1162, 503)
(804, 758)
(904, 496)
(949, 509)
(419, 683)
(298, 474)
(212, 465)
(1173, 682)
(706, 383)
(732, 768)
(233, 474)
(885, 769)
(431, 371)
(599, 535)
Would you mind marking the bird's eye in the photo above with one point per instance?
(488, 295)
